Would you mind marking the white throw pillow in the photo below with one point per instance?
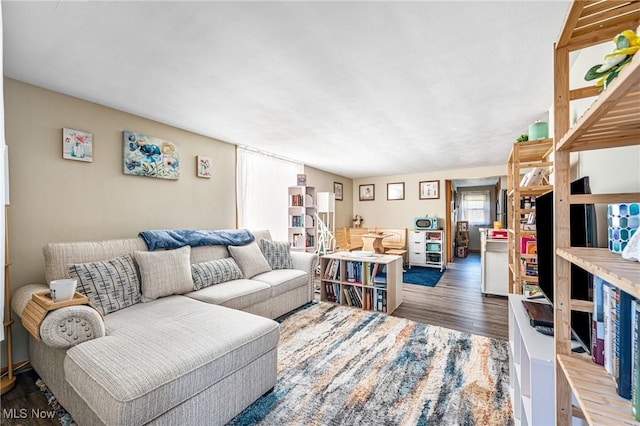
(165, 272)
(250, 259)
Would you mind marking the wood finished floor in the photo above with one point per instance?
(455, 302)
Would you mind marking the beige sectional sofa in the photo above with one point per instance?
(175, 354)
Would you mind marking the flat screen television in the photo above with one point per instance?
(583, 234)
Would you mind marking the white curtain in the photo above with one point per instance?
(4, 174)
(475, 207)
(262, 182)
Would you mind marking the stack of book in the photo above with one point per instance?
(614, 343)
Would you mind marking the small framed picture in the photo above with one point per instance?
(429, 190)
(395, 191)
(77, 145)
(367, 192)
(301, 179)
(203, 166)
(337, 189)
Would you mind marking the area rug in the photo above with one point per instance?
(421, 275)
(344, 366)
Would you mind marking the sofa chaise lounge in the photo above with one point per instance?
(196, 346)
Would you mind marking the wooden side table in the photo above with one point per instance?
(373, 242)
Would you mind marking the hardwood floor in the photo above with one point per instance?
(455, 302)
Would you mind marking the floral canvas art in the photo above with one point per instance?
(204, 166)
(77, 145)
(149, 156)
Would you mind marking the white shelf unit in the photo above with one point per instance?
(611, 121)
(338, 286)
(426, 248)
(530, 368)
(302, 220)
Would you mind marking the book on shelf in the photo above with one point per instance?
(607, 290)
(597, 337)
(623, 344)
(635, 364)
(531, 290)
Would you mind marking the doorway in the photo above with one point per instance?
(478, 201)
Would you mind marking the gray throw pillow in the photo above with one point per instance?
(215, 272)
(277, 254)
(110, 284)
(164, 272)
(250, 259)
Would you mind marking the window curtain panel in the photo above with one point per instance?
(475, 207)
(4, 185)
(262, 182)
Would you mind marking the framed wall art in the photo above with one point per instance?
(429, 190)
(367, 192)
(337, 189)
(77, 145)
(395, 191)
(150, 156)
(204, 166)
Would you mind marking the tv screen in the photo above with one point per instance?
(583, 234)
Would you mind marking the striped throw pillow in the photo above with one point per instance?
(110, 285)
(213, 272)
(277, 254)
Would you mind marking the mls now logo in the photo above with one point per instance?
(23, 413)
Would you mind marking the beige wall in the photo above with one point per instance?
(323, 182)
(53, 199)
(399, 214)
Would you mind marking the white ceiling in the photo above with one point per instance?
(355, 88)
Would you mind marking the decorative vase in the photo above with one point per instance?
(622, 222)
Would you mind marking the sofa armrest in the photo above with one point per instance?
(69, 326)
(64, 327)
(307, 262)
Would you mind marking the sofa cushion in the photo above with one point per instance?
(164, 272)
(283, 280)
(236, 294)
(110, 284)
(277, 253)
(159, 354)
(214, 272)
(250, 259)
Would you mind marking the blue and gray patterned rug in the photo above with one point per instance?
(343, 366)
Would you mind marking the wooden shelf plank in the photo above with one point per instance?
(632, 197)
(626, 85)
(595, 391)
(611, 267)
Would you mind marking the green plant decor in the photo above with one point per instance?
(522, 138)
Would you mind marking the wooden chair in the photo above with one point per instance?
(396, 243)
(343, 242)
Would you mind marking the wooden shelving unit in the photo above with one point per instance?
(524, 156)
(613, 120)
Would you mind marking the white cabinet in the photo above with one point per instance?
(531, 368)
(493, 264)
(426, 248)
